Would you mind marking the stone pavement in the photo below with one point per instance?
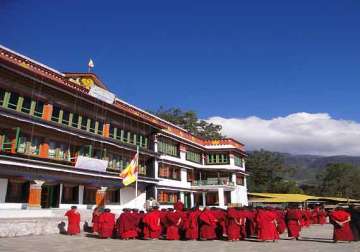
(315, 238)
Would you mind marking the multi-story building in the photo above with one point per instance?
(64, 139)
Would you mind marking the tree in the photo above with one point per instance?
(189, 121)
(340, 180)
(267, 171)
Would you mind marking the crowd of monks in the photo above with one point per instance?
(233, 224)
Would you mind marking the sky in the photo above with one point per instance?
(281, 75)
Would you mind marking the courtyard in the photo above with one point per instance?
(315, 238)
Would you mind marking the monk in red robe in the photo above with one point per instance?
(95, 219)
(163, 214)
(233, 227)
(293, 218)
(179, 206)
(173, 221)
(340, 218)
(208, 225)
(280, 219)
(152, 225)
(127, 225)
(192, 224)
(307, 217)
(266, 221)
(73, 221)
(221, 219)
(106, 224)
(315, 215)
(322, 216)
(251, 223)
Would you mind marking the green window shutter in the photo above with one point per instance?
(96, 127)
(115, 133)
(61, 115)
(20, 103)
(6, 99)
(122, 135)
(79, 122)
(88, 124)
(32, 107)
(71, 116)
(128, 139)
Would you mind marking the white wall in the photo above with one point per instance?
(128, 200)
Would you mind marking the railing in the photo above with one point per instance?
(212, 182)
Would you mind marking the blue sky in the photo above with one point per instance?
(231, 59)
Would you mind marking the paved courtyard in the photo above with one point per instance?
(316, 238)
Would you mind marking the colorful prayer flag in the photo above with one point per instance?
(129, 174)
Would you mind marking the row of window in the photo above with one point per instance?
(238, 161)
(167, 197)
(193, 157)
(168, 148)
(64, 152)
(214, 159)
(27, 105)
(169, 172)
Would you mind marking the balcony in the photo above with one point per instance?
(213, 182)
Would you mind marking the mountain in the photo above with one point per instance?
(307, 166)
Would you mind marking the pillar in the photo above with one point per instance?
(155, 144)
(81, 194)
(204, 198)
(101, 196)
(192, 201)
(60, 193)
(182, 197)
(3, 189)
(182, 152)
(221, 197)
(232, 159)
(35, 194)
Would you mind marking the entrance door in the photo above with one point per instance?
(50, 196)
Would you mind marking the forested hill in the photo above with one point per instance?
(307, 166)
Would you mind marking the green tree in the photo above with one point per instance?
(189, 120)
(267, 171)
(340, 180)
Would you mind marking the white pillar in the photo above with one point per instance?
(81, 194)
(155, 144)
(61, 190)
(156, 168)
(204, 198)
(233, 178)
(192, 201)
(3, 189)
(182, 197)
(221, 197)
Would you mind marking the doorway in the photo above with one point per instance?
(50, 196)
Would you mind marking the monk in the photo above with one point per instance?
(179, 206)
(307, 217)
(234, 224)
(266, 220)
(163, 214)
(173, 221)
(106, 224)
(221, 219)
(152, 226)
(73, 221)
(250, 223)
(95, 219)
(192, 224)
(322, 216)
(208, 225)
(280, 219)
(293, 218)
(315, 215)
(127, 225)
(340, 218)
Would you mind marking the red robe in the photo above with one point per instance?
(95, 220)
(322, 216)
(173, 220)
(73, 222)
(280, 219)
(307, 216)
(266, 225)
(293, 217)
(192, 225)
(341, 233)
(315, 215)
(233, 227)
(152, 226)
(106, 224)
(163, 214)
(221, 217)
(179, 206)
(127, 226)
(208, 225)
(251, 223)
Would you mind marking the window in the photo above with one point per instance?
(17, 191)
(168, 147)
(26, 106)
(84, 123)
(166, 197)
(142, 170)
(193, 156)
(238, 161)
(65, 117)
(169, 172)
(190, 175)
(100, 128)
(70, 194)
(212, 198)
(116, 162)
(39, 107)
(14, 97)
(92, 126)
(58, 151)
(55, 114)
(240, 179)
(34, 147)
(112, 196)
(75, 120)
(216, 159)
(89, 195)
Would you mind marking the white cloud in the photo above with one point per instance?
(301, 133)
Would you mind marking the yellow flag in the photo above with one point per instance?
(129, 174)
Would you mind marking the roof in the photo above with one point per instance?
(287, 198)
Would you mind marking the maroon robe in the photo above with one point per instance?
(127, 226)
(173, 220)
(95, 220)
(192, 225)
(233, 227)
(341, 232)
(73, 222)
(315, 215)
(280, 219)
(322, 216)
(152, 226)
(106, 224)
(163, 214)
(293, 217)
(266, 220)
(208, 225)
